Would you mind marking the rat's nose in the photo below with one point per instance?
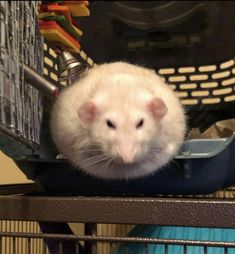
(127, 154)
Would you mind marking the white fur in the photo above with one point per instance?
(121, 92)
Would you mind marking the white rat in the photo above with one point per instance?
(118, 121)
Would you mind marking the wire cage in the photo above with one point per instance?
(90, 221)
(21, 104)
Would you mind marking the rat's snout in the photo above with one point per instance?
(127, 153)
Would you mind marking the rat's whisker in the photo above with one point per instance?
(94, 162)
(90, 150)
(107, 164)
(95, 159)
(154, 151)
(101, 156)
(90, 147)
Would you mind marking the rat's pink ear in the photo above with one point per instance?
(88, 112)
(158, 108)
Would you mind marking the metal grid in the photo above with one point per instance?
(20, 42)
(33, 241)
(213, 210)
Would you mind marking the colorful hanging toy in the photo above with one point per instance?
(58, 25)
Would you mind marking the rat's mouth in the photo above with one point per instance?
(119, 161)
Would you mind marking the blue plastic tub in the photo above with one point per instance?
(202, 166)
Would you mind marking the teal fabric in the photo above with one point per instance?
(180, 233)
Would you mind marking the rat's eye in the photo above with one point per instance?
(140, 123)
(110, 124)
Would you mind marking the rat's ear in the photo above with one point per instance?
(157, 107)
(88, 112)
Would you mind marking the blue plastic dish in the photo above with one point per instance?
(202, 166)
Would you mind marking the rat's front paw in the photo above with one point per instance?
(60, 157)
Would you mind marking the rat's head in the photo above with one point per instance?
(124, 127)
